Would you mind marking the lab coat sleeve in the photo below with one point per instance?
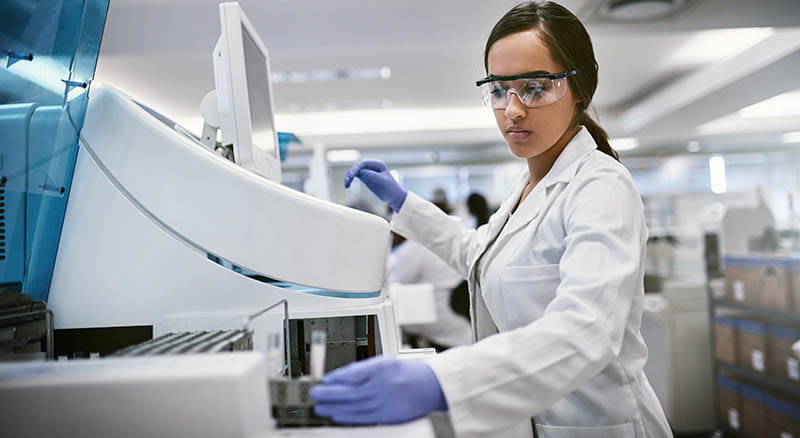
(423, 222)
(507, 378)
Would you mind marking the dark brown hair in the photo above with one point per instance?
(569, 44)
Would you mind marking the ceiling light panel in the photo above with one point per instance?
(786, 104)
(717, 45)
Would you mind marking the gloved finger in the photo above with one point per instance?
(370, 418)
(337, 393)
(357, 372)
(352, 172)
(355, 170)
(338, 409)
(361, 407)
(375, 165)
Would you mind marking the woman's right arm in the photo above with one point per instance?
(423, 222)
(418, 219)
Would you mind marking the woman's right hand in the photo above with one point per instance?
(375, 175)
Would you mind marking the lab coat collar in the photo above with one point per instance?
(566, 165)
(563, 170)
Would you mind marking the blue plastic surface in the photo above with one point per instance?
(740, 261)
(753, 327)
(284, 140)
(789, 333)
(323, 292)
(48, 54)
(291, 286)
(730, 385)
(725, 321)
(783, 407)
(754, 393)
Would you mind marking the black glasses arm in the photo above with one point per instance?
(492, 78)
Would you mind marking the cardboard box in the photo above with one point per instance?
(752, 345)
(754, 410)
(794, 284)
(776, 283)
(743, 279)
(782, 362)
(725, 339)
(728, 403)
(783, 418)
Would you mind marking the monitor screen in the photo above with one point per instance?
(258, 95)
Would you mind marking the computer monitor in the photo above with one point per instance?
(244, 94)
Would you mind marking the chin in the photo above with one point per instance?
(522, 150)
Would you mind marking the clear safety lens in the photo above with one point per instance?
(531, 92)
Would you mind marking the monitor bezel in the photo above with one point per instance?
(233, 100)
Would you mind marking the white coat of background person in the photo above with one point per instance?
(555, 277)
(412, 263)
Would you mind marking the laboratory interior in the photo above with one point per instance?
(353, 218)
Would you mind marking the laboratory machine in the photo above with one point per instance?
(166, 232)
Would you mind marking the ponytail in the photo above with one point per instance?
(598, 134)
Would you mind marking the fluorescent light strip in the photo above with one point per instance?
(786, 104)
(716, 170)
(342, 155)
(717, 45)
(791, 137)
(391, 120)
(299, 77)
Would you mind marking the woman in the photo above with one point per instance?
(555, 276)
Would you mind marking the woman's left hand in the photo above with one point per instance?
(379, 390)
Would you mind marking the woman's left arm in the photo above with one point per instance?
(506, 378)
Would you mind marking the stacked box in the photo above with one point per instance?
(754, 410)
(725, 339)
(794, 284)
(783, 419)
(728, 403)
(782, 363)
(776, 283)
(752, 345)
(743, 279)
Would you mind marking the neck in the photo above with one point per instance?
(539, 165)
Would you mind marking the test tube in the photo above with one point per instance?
(319, 343)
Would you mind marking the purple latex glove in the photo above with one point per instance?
(376, 177)
(379, 390)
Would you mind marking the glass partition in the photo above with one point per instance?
(48, 54)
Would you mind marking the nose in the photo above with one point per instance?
(515, 108)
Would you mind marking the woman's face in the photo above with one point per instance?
(529, 131)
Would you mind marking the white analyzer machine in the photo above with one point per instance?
(164, 234)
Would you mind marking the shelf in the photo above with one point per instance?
(777, 386)
(779, 316)
(728, 431)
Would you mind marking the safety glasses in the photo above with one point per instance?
(533, 89)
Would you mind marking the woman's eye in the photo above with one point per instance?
(498, 92)
(534, 89)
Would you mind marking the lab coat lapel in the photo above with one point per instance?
(527, 210)
(563, 170)
(498, 222)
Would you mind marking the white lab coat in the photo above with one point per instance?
(412, 263)
(562, 281)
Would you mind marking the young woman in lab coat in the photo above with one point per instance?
(555, 277)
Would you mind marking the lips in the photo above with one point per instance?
(517, 133)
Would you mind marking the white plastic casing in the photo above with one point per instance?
(230, 79)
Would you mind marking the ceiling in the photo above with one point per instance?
(664, 83)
